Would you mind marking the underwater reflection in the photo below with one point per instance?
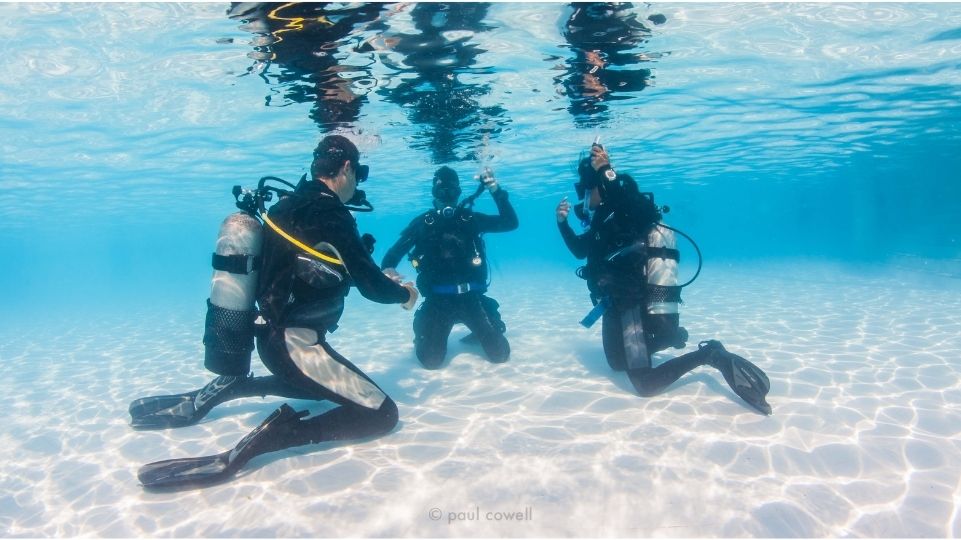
(437, 79)
(605, 39)
(302, 41)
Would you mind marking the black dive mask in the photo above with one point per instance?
(446, 194)
(359, 202)
(361, 173)
(588, 178)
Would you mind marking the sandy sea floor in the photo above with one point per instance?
(864, 440)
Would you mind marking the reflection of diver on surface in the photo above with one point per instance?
(301, 40)
(299, 267)
(428, 83)
(631, 272)
(447, 250)
(604, 38)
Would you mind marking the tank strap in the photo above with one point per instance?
(664, 253)
(236, 264)
(650, 252)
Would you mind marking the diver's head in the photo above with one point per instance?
(337, 164)
(446, 188)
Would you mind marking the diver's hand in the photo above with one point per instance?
(487, 178)
(563, 208)
(412, 301)
(394, 275)
(599, 157)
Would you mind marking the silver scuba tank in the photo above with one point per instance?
(229, 327)
(661, 272)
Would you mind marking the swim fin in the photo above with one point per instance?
(748, 381)
(162, 412)
(269, 436)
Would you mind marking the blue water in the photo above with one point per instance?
(815, 131)
(812, 150)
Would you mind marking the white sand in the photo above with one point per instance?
(864, 440)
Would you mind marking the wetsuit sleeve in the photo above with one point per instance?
(577, 244)
(342, 233)
(400, 248)
(506, 220)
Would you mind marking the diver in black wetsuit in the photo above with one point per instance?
(617, 252)
(301, 294)
(447, 250)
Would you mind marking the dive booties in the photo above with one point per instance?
(269, 436)
(162, 412)
(748, 381)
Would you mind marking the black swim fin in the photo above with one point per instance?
(162, 412)
(175, 474)
(748, 381)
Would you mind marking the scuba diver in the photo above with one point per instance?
(446, 249)
(631, 273)
(299, 267)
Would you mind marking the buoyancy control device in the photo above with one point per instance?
(451, 249)
(231, 312)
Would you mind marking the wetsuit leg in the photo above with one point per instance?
(747, 380)
(613, 339)
(634, 337)
(481, 317)
(625, 343)
(652, 381)
(432, 325)
(301, 358)
(313, 365)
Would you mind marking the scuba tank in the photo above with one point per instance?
(229, 326)
(661, 273)
(663, 291)
(663, 294)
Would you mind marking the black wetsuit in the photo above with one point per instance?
(302, 299)
(451, 262)
(630, 334)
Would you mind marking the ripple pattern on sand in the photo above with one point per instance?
(863, 442)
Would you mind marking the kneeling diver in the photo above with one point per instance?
(446, 246)
(311, 255)
(631, 274)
